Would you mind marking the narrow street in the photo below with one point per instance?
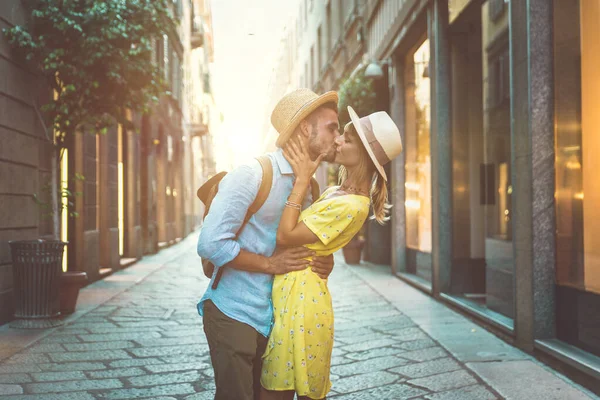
(146, 340)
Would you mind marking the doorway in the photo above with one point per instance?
(483, 265)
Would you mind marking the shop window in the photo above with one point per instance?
(482, 276)
(577, 194)
(418, 162)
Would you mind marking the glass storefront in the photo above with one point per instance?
(577, 195)
(483, 265)
(418, 162)
(492, 275)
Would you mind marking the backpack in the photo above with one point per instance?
(207, 192)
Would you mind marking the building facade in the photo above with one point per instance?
(284, 79)
(138, 192)
(24, 155)
(494, 198)
(321, 47)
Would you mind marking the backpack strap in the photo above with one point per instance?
(263, 192)
(265, 186)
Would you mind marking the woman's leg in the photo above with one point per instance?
(276, 395)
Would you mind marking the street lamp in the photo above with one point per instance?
(374, 71)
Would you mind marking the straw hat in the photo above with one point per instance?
(379, 135)
(294, 107)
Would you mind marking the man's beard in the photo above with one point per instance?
(315, 150)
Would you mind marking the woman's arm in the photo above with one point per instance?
(290, 231)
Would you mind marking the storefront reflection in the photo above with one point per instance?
(483, 255)
(577, 195)
(418, 162)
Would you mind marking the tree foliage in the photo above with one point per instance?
(358, 92)
(96, 56)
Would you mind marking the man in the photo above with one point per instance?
(238, 314)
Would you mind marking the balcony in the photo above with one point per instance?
(197, 38)
(198, 129)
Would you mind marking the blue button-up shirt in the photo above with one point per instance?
(245, 296)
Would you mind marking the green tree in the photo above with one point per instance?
(95, 55)
(358, 92)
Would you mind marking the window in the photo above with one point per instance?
(174, 76)
(483, 262)
(577, 193)
(418, 162)
(312, 79)
(499, 76)
(329, 29)
(578, 144)
(160, 57)
(320, 56)
(166, 50)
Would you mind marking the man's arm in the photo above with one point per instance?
(217, 241)
(281, 262)
(217, 237)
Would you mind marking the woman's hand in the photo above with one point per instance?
(296, 152)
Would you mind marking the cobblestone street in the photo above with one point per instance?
(392, 342)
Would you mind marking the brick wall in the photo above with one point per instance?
(24, 156)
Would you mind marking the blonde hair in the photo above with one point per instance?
(378, 192)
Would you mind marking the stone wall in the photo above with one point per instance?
(24, 157)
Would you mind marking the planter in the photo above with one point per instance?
(37, 266)
(70, 283)
(352, 251)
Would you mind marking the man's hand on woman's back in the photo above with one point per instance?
(322, 266)
(288, 259)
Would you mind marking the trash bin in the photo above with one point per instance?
(37, 267)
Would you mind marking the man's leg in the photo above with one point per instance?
(233, 352)
(261, 345)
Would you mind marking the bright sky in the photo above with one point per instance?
(246, 35)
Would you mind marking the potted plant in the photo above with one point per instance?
(359, 92)
(70, 284)
(96, 59)
(353, 250)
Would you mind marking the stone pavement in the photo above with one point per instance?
(137, 335)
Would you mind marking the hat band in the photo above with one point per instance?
(378, 151)
(302, 108)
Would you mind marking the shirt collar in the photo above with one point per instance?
(284, 166)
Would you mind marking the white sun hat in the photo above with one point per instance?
(380, 136)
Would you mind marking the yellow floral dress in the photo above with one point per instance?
(298, 353)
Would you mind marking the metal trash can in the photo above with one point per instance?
(37, 267)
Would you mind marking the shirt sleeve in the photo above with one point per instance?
(238, 189)
(330, 218)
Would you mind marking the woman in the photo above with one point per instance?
(298, 354)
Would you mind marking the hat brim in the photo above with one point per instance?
(361, 134)
(205, 189)
(305, 111)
